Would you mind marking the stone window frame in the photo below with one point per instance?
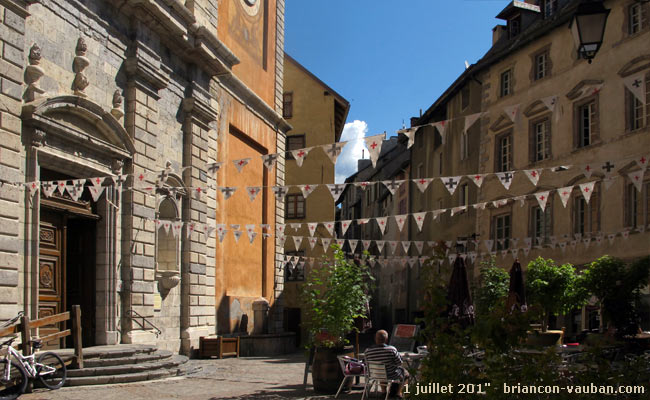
(177, 208)
(593, 207)
(546, 118)
(547, 11)
(300, 138)
(548, 220)
(287, 105)
(633, 105)
(594, 134)
(300, 277)
(548, 65)
(641, 214)
(494, 233)
(295, 199)
(463, 195)
(644, 23)
(503, 92)
(498, 156)
(464, 145)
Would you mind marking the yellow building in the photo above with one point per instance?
(317, 114)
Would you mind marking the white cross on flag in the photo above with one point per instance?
(400, 220)
(312, 227)
(393, 185)
(611, 238)
(565, 193)
(587, 189)
(542, 198)
(393, 246)
(297, 241)
(295, 226)
(477, 179)
(48, 188)
(237, 235)
(300, 155)
(366, 244)
(410, 134)
(406, 245)
(269, 160)
(336, 189)
(637, 179)
(423, 183)
(642, 162)
(329, 226)
(353, 244)
(441, 126)
(333, 150)
(636, 85)
(213, 167)
(419, 245)
(470, 120)
(550, 102)
(380, 245)
(345, 224)
(326, 243)
(533, 175)
(253, 191)
(312, 242)
(279, 191)
(306, 190)
(241, 163)
(451, 183)
(512, 112)
(373, 143)
(227, 192)
(419, 219)
(505, 178)
(382, 221)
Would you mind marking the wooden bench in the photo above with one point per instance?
(219, 347)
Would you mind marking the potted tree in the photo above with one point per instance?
(335, 293)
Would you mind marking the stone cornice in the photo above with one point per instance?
(201, 105)
(17, 6)
(145, 64)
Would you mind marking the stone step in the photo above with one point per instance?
(115, 351)
(171, 362)
(123, 378)
(136, 358)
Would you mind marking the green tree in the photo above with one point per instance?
(493, 287)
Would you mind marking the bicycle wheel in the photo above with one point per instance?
(16, 384)
(51, 371)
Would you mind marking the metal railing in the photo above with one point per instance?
(134, 314)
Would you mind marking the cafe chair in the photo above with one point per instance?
(351, 368)
(377, 376)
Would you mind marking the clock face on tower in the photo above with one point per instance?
(247, 26)
(251, 7)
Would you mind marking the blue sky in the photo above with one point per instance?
(388, 58)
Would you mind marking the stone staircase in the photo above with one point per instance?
(124, 363)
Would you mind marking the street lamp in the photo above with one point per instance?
(588, 27)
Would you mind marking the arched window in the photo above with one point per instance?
(167, 246)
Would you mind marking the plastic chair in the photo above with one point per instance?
(343, 362)
(377, 375)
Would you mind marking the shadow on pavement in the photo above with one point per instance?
(289, 392)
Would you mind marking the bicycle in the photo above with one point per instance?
(15, 369)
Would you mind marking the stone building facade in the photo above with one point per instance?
(152, 89)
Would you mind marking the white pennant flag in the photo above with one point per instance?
(97, 181)
(336, 190)
(505, 178)
(363, 221)
(480, 206)
(489, 244)
(587, 169)
(419, 219)
(237, 235)
(306, 190)
(611, 238)
(221, 234)
(295, 226)
(636, 85)
(477, 179)
(76, 189)
(587, 189)
(400, 220)
(607, 182)
(637, 179)
(565, 194)
(515, 252)
(241, 163)
(250, 231)
(326, 243)
(521, 199)
(451, 183)
(158, 223)
(458, 210)
(363, 185)
(419, 245)
(441, 126)
(373, 143)
(312, 242)
(227, 192)
(213, 167)
(330, 227)
(353, 244)
(176, 228)
(550, 102)
(208, 229)
(393, 246)
(542, 198)
(280, 192)
(279, 228)
(500, 203)
(512, 112)
(340, 243)
(265, 227)
(198, 191)
(436, 213)
(333, 150)
(382, 221)
(452, 258)
(410, 134)
(380, 245)
(533, 175)
(48, 188)
(412, 261)
(393, 185)
(366, 244)
(297, 241)
(423, 183)
(95, 192)
(253, 191)
(60, 187)
(345, 224)
(625, 234)
(312, 227)
(587, 242)
(577, 236)
(118, 182)
(406, 245)
(269, 160)
(599, 240)
(471, 119)
(282, 239)
(235, 226)
(32, 187)
(642, 162)
(300, 155)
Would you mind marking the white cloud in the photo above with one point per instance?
(346, 164)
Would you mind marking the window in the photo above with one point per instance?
(167, 245)
(541, 65)
(586, 217)
(504, 152)
(631, 206)
(549, 8)
(295, 272)
(540, 139)
(540, 223)
(287, 105)
(464, 146)
(402, 206)
(294, 142)
(463, 195)
(501, 231)
(506, 83)
(464, 97)
(636, 18)
(514, 26)
(440, 164)
(638, 114)
(295, 206)
(421, 171)
(586, 123)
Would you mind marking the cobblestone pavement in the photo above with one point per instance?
(231, 378)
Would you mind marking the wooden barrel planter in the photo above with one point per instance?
(325, 371)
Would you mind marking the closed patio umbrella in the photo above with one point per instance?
(460, 299)
(517, 289)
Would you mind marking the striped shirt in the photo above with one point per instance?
(385, 354)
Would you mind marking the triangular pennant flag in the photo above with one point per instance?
(198, 191)
(235, 226)
(237, 235)
(550, 102)
(333, 150)
(423, 183)
(441, 126)
(436, 213)
(599, 240)
(423, 260)
(472, 257)
(642, 162)
(363, 185)
(477, 179)
(279, 228)
(269, 160)
(608, 168)
(32, 187)
(353, 244)
(588, 169)
(330, 227)
(373, 143)
(167, 225)
(515, 252)
(118, 181)
(60, 187)
(312, 242)
(611, 238)
(76, 189)
(380, 245)
(451, 183)
(542, 198)
(176, 228)
(637, 179)
(345, 224)
(514, 242)
(480, 206)
(410, 134)
(97, 181)
(528, 242)
(326, 243)
(393, 246)
(297, 241)
(587, 242)
(363, 221)
(526, 251)
(189, 229)
(412, 261)
(512, 112)
(419, 245)
(340, 242)
(470, 120)
(578, 236)
(573, 244)
(306, 189)
(241, 163)
(587, 189)
(250, 231)
(265, 227)
(636, 85)
(312, 227)
(279, 192)
(158, 223)
(393, 185)
(625, 234)
(372, 262)
(300, 154)
(227, 192)
(640, 228)
(366, 244)
(504, 253)
(400, 220)
(382, 222)
(458, 210)
(419, 219)
(295, 226)
(533, 175)
(161, 177)
(500, 203)
(488, 244)
(562, 246)
(565, 194)
(607, 182)
(282, 239)
(506, 178)
(452, 258)
(213, 167)
(95, 192)
(406, 245)
(221, 234)
(336, 189)
(208, 229)
(253, 191)
(48, 188)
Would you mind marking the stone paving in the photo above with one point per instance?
(261, 378)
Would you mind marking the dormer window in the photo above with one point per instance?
(514, 26)
(549, 7)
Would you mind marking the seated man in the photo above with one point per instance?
(388, 355)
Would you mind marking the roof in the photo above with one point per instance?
(341, 105)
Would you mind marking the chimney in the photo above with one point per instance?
(498, 32)
(363, 163)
